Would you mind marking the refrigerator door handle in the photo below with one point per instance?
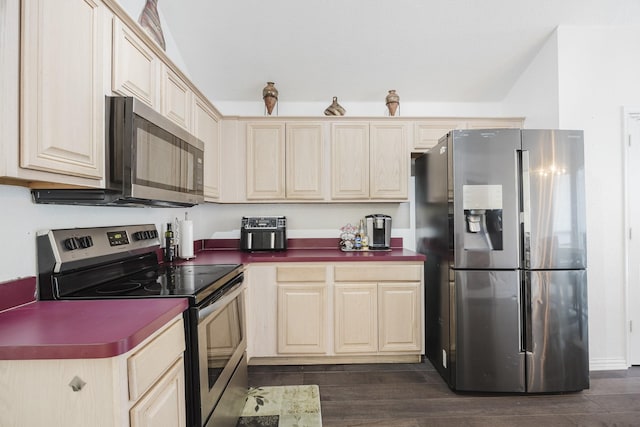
(527, 343)
(525, 215)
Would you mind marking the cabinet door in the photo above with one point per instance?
(304, 161)
(262, 310)
(302, 318)
(176, 99)
(427, 133)
(205, 128)
(356, 318)
(62, 103)
(390, 161)
(350, 160)
(399, 317)
(265, 161)
(134, 66)
(164, 404)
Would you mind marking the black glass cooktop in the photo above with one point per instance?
(196, 281)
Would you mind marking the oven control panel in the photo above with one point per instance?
(76, 244)
(118, 238)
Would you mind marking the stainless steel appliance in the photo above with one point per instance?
(149, 161)
(263, 233)
(500, 215)
(378, 231)
(122, 262)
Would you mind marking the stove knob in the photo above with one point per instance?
(147, 235)
(71, 243)
(138, 235)
(154, 234)
(86, 242)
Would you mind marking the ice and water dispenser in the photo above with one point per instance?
(482, 206)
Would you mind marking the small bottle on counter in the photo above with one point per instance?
(365, 238)
(169, 244)
(357, 244)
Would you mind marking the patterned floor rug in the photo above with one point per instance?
(282, 406)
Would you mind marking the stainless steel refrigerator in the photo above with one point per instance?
(500, 216)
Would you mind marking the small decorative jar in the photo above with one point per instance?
(334, 109)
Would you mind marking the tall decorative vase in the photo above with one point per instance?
(393, 101)
(270, 96)
(150, 21)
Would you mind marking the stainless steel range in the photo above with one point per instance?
(122, 262)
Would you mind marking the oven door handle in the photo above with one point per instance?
(229, 296)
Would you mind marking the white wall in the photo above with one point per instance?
(535, 93)
(21, 220)
(599, 71)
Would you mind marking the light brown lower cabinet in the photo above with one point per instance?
(302, 309)
(143, 387)
(377, 317)
(335, 312)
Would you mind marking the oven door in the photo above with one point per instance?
(222, 344)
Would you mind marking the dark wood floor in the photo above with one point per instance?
(413, 395)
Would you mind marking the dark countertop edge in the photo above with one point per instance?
(218, 256)
(111, 347)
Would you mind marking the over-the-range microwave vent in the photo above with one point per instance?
(98, 197)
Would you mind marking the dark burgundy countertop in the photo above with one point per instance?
(82, 329)
(225, 251)
(31, 329)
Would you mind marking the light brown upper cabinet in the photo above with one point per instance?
(285, 161)
(369, 161)
(62, 87)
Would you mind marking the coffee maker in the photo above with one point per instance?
(378, 231)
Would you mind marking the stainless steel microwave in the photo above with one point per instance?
(150, 161)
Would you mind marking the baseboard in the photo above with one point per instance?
(605, 364)
(332, 360)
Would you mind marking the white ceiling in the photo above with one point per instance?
(428, 50)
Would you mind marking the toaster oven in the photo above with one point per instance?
(264, 233)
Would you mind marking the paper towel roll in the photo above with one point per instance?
(185, 239)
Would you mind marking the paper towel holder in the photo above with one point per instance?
(185, 238)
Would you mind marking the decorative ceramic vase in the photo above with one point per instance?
(150, 21)
(393, 100)
(270, 96)
(334, 109)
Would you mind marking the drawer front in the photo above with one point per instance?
(149, 363)
(302, 273)
(377, 273)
